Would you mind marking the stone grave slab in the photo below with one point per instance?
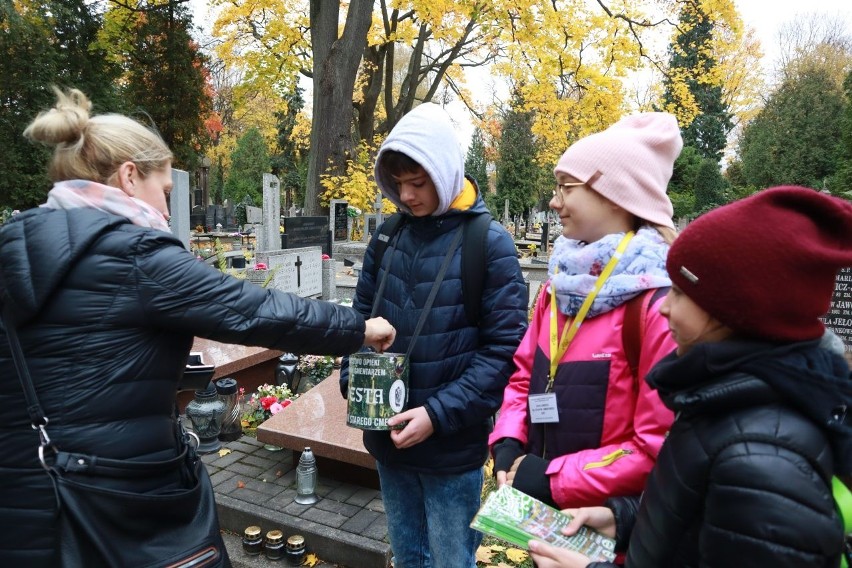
(839, 317)
(297, 270)
(317, 419)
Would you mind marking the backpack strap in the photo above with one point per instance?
(386, 233)
(473, 257)
(633, 328)
(843, 502)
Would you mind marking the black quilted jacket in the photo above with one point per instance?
(107, 312)
(744, 478)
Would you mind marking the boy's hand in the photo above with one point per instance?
(416, 427)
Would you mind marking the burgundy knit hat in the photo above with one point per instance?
(765, 265)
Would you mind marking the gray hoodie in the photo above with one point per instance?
(427, 136)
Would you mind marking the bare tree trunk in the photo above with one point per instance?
(335, 65)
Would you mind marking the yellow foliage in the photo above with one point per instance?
(266, 40)
(357, 186)
(488, 468)
(516, 555)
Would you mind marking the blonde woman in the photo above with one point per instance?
(106, 303)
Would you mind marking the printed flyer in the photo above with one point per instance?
(517, 518)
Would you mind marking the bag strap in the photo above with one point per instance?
(38, 420)
(37, 417)
(473, 258)
(633, 327)
(433, 292)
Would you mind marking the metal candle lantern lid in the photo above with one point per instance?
(252, 531)
(207, 392)
(274, 537)
(226, 386)
(296, 541)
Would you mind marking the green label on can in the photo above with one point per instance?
(378, 389)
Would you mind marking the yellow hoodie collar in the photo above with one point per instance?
(465, 199)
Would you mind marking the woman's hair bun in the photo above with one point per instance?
(65, 122)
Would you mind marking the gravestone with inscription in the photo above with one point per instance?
(297, 270)
(339, 220)
(371, 226)
(839, 317)
(306, 232)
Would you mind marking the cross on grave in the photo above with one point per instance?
(297, 270)
(298, 265)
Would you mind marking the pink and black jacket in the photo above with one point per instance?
(611, 425)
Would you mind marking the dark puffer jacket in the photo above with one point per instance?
(107, 312)
(458, 371)
(744, 478)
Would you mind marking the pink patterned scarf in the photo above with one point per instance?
(73, 194)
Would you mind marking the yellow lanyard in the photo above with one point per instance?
(569, 330)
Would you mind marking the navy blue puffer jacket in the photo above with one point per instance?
(457, 371)
(107, 312)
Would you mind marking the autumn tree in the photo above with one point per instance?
(163, 70)
(572, 59)
(336, 56)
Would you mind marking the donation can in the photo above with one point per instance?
(378, 389)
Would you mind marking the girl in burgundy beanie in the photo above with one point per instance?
(745, 475)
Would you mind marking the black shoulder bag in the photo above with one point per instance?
(101, 525)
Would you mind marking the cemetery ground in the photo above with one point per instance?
(251, 485)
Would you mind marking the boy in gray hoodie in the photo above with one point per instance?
(430, 465)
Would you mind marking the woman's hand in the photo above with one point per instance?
(548, 556)
(379, 334)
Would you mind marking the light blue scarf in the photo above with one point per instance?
(642, 267)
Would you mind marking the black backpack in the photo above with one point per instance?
(473, 257)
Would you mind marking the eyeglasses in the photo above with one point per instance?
(559, 191)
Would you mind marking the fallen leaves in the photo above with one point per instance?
(224, 452)
(486, 554)
(311, 559)
(516, 555)
(241, 484)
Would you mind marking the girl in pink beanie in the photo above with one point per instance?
(578, 424)
(745, 476)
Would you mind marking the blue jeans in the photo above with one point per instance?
(429, 517)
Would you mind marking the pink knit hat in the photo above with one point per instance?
(630, 163)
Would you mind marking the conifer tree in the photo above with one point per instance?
(475, 164)
(691, 62)
(249, 161)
